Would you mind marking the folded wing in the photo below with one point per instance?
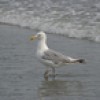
(57, 57)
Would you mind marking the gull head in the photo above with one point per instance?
(40, 36)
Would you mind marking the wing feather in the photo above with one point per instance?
(57, 57)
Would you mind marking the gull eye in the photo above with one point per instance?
(39, 35)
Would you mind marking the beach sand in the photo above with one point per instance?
(21, 75)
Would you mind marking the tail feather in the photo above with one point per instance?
(72, 60)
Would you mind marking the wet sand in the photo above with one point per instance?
(21, 75)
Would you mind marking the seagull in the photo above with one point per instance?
(51, 58)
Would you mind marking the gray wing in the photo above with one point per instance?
(57, 57)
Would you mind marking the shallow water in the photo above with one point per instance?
(21, 75)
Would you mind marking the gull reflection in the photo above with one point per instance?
(60, 88)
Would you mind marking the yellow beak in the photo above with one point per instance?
(33, 37)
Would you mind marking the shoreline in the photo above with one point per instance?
(37, 30)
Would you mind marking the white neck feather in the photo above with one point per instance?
(42, 46)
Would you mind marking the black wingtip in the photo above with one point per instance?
(81, 61)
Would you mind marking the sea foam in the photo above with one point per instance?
(67, 18)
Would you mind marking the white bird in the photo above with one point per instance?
(49, 57)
